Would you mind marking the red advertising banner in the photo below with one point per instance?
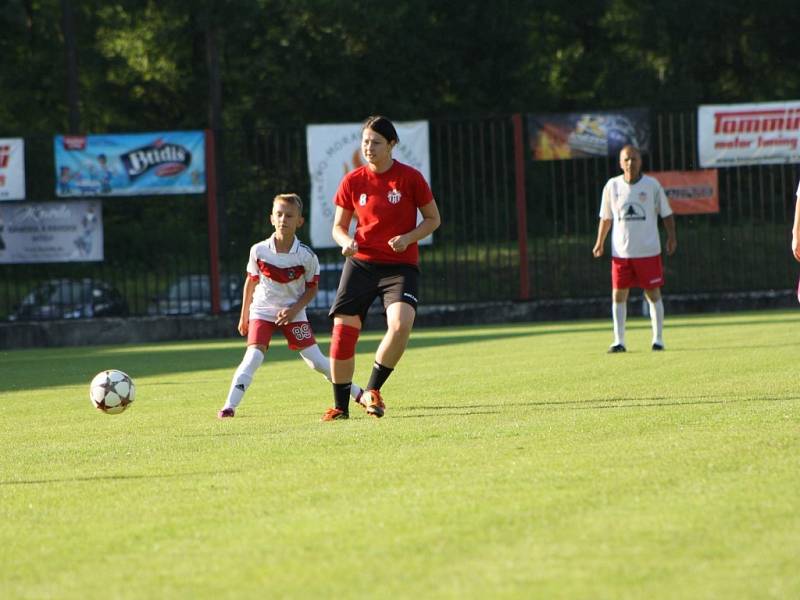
(690, 192)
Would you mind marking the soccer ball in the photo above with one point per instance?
(111, 391)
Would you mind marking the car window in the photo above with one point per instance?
(189, 288)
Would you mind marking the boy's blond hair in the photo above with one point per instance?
(291, 199)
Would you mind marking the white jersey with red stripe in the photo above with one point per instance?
(282, 277)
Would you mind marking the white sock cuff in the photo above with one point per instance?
(253, 357)
(315, 358)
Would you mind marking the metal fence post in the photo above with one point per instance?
(522, 215)
(213, 223)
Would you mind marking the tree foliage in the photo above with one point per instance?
(144, 64)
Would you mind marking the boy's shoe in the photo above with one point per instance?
(226, 413)
(334, 414)
(373, 403)
(657, 347)
(616, 348)
(360, 400)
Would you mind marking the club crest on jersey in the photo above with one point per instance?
(394, 196)
(290, 273)
(642, 197)
(362, 200)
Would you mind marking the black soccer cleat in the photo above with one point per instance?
(657, 347)
(617, 348)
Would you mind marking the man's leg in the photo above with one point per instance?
(656, 316)
(619, 314)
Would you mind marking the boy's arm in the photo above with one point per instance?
(247, 300)
(286, 315)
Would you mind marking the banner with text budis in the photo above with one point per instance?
(130, 164)
(49, 232)
(335, 150)
(748, 134)
(12, 169)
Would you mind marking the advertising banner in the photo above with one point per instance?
(690, 192)
(138, 164)
(44, 232)
(557, 136)
(12, 169)
(335, 150)
(729, 135)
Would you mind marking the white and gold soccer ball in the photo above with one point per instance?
(111, 391)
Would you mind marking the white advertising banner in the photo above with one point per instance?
(335, 150)
(748, 134)
(12, 169)
(44, 232)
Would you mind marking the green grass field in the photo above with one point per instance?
(514, 461)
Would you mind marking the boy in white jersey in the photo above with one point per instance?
(631, 204)
(282, 278)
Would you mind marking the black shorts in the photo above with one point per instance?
(363, 281)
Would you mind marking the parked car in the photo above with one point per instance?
(191, 295)
(70, 299)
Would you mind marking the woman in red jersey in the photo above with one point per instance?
(384, 195)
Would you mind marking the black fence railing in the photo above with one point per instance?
(156, 248)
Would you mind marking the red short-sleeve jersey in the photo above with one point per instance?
(385, 205)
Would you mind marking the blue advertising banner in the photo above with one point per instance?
(137, 164)
(557, 136)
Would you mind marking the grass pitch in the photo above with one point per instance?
(514, 461)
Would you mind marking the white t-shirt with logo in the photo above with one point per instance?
(282, 277)
(634, 210)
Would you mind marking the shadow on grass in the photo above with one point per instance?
(93, 478)
(593, 404)
(73, 366)
(38, 369)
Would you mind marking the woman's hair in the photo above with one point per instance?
(383, 126)
(291, 199)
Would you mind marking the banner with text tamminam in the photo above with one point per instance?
(334, 150)
(748, 134)
(135, 164)
(690, 192)
(44, 232)
(556, 136)
(12, 169)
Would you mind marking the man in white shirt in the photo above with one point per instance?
(630, 207)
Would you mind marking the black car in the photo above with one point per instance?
(70, 299)
(191, 295)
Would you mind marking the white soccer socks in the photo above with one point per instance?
(657, 321)
(253, 357)
(316, 360)
(619, 313)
